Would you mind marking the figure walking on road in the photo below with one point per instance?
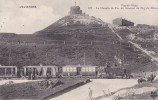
(90, 94)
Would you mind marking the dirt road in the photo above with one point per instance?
(97, 86)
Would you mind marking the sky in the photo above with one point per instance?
(14, 19)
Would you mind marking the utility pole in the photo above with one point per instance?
(84, 59)
(9, 59)
(46, 59)
(123, 60)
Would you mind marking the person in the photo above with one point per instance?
(90, 94)
(152, 77)
(47, 76)
(104, 93)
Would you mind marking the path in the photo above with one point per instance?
(97, 85)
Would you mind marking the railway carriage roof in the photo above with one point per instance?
(80, 66)
(39, 66)
(8, 66)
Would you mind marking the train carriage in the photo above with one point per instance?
(35, 72)
(8, 71)
(71, 70)
(40, 71)
(89, 71)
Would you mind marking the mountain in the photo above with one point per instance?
(144, 37)
(69, 40)
(72, 26)
(77, 19)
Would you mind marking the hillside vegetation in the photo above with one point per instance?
(70, 44)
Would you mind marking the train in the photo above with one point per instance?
(36, 72)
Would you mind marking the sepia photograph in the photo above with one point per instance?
(78, 49)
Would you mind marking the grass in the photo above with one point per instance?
(35, 90)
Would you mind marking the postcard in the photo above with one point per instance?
(78, 49)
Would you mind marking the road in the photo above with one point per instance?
(97, 86)
(145, 51)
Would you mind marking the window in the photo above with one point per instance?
(27, 71)
(90, 69)
(93, 69)
(83, 69)
(71, 69)
(64, 70)
(87, 69)
(14, 69)
(8, 71)
(1, 71)
(49, 70)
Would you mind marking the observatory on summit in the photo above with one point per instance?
(75, 10)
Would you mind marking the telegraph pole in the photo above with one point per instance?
(123, 60)
(84, 59)
(9, 59)
(46, 59)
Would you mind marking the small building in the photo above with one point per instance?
(122, 22)
(40, 71)
(8, 71)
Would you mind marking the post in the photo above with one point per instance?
(31, 73)
(5, 71)
(11, 71)
(9, 57)
(46, 59)
(16, 71)
(24, 71)
(35, 71)
(84, 60)
(123, 60)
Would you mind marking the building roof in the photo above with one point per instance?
(122, 19)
